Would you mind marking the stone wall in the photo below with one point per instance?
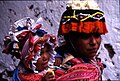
(51, 11)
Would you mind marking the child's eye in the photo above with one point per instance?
(47, 50)
(41, 52)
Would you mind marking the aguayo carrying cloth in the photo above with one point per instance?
(79, 71)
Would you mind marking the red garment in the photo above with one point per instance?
(80, 71)
(30, 77)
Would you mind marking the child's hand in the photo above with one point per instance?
(49, 77)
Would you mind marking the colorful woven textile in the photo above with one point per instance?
(79, 71)
(85, 21)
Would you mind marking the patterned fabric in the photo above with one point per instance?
(81, 72)
(78, 70)
(86, 21)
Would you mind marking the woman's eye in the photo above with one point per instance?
(97, 35)
(85, 36)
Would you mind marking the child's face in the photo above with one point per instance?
(42, 62)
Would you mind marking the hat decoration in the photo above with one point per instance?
(82, 16)
(31, 38)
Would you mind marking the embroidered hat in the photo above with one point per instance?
(84, 17)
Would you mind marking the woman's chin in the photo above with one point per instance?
(92, 55)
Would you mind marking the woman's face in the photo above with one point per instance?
(87, 44)
(42, 62)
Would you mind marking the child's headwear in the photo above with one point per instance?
(82, 16)
(32, 39)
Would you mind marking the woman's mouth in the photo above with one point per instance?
(92, 50)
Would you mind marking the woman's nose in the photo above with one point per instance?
(93, 40)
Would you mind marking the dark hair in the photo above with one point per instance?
(68, 47)
(49, 47)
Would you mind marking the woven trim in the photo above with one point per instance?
(84, 27)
